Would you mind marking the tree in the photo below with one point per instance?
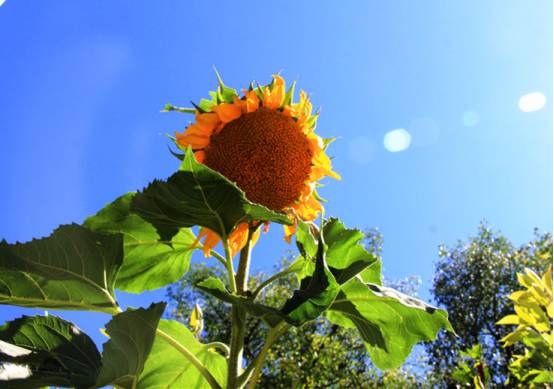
(318, 354)
(472, 282)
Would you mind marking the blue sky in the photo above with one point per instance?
(83, 83)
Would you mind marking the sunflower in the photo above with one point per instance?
(264, 143)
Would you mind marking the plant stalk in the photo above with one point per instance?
(238, 315)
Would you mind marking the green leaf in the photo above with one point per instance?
(542, 377)
(148, 262)
(74, 268)
(316, 293)
(214, 286)
(197, 195)
(168, 368)
(346, 257)
(305, 240)
(389, 322)
(51, 350)
(131, 335)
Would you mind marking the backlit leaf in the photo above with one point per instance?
(74, 268)
(148, 263)
(389, 322)
(197, 195)
(167, 368)
(131, 335)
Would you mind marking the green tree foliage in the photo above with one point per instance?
(472, 281)
(472, 371)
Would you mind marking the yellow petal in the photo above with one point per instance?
(274, 98)
(211, 240)
(200, 156)
(289, 231)
(207, 121)
(322, 167)
(238, 238)
(228, 112)
(252, 101)
(308, 209)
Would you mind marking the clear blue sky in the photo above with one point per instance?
(82, 85)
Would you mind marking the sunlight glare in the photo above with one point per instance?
(531, 102)
(397, 140)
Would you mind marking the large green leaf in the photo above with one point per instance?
(346, 257)
(74, 268)
(315, 294)
(168, 368)
(389, 322)
(197, 195)
(328, 258)
(149, 263)
(47, 351)
(131, 335)
(214, 286)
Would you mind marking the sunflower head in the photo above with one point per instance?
(264, 142)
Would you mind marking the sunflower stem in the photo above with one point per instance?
(238, 316)
(229, 265)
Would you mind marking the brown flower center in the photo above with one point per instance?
(266, 154)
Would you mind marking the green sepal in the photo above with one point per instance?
(169, 108)
(328, 141)
(318, 197)
(204, 105)
(260, 91)
(177, 155)
(224, 92)
(311, 122)
(289, 95)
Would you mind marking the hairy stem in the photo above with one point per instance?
(229, 265)
(238, 316)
